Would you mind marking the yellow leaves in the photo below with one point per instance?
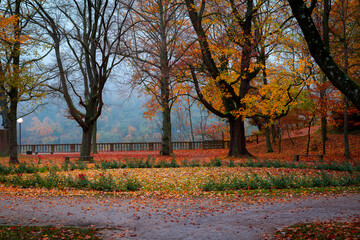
(7, 29)
(270, 100)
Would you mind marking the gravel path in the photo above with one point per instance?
(184, 218)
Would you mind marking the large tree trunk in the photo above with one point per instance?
(237, 145)
(85, 150)
(166, 146)
(12, 127)
(14, 91)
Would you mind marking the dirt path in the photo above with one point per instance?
(185, 218)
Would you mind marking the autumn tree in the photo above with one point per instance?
(272, 92)
(158, 42)
(17, 82)
(222, 78)
(323, 58)
(43, 130)
(345, 32)
(87, 40)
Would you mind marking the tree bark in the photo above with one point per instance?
(166, 146)
(279, 134)
(85, 150)
(13, 127)
(94, 138)
(237, 145)
(323, 96)
(268, 140)
(4, 109)
(308, 141)
(322, 57)
(346, 130)
(273, 133)
(14, 91)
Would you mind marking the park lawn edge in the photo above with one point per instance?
(47, 232)
(238, 195)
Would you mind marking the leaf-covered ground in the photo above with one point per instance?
(321, 230)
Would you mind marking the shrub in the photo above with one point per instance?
(280, 182)
(173, 163)
(195, 163)
(216, 162)
(81, 181)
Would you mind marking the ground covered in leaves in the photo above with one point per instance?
(321, 230)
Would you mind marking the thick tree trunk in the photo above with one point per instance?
(237, 145)
(86, 141)
(166, 145)
(13, 127)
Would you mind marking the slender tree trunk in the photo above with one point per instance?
(237, 145)
(265, 82)
(308, 142)
(13, 127)
(288, 132)
(346, 130)
(166, 148)
(324, 133)
(279, 134)
(273, 131)
(268, 140)
(4, 109)
(346, 67)
(191, 124)
(323, 97)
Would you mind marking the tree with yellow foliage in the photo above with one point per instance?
(17, 81)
